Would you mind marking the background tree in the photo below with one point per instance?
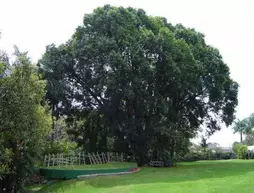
(235, 147)
(240, 150)
(249, 139)
(25, 123)
(4, 64)
(244, 126)
(204, 143)
(57, 87)
(140, 80)
(240, 127)
(195, 148)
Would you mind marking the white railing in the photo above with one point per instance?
(81, 158)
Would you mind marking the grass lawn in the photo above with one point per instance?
(111, 165)
(232, 176)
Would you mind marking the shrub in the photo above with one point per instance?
(193, 156)
(60, 146)
(197, 156)
(236, 147)
(242, 152)
(34, 178)
(164, 156)
(226, 155)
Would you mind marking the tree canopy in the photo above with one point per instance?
(139, 79)
(24, 123)
(244, 126)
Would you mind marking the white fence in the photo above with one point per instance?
(81, 158)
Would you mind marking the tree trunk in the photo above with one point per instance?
(102, 146)
(241, 136)
(172, 150)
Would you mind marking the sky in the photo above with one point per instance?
(227, 24)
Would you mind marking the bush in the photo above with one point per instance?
(193, 156)
(226, 155)
(236, 147)
(164, 156)
(34, 178)
(197, 156)
(60, 146)
(242, 152)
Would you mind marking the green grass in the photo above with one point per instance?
(111, 165)
(232, 176)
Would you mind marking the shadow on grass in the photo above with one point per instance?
(181, 173)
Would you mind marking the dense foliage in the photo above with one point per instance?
(140, 80)
(241, 151)
(206, 151)
(198, 156)
(24, 122)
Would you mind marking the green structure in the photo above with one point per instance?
(71, 174)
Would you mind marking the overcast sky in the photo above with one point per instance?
(227, 24)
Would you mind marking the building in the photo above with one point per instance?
(251, 148)
(227, 149)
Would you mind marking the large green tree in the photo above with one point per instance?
(24, 123)
(152, 82)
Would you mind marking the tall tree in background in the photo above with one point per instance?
(240, 127)
(204, 143)
(24, 123)
(150, 82)
(249, 139)
(244, 126)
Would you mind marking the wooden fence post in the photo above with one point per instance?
(62, 159)
(66, 160)
(48, 160)
(90, 158)
(121, 157)
(57, 159)
(99, 158)
(104, 158)
(45, 161)
(95, 158)
(108, 156)
(53, 157)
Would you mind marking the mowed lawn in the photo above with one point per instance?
(230, 176)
